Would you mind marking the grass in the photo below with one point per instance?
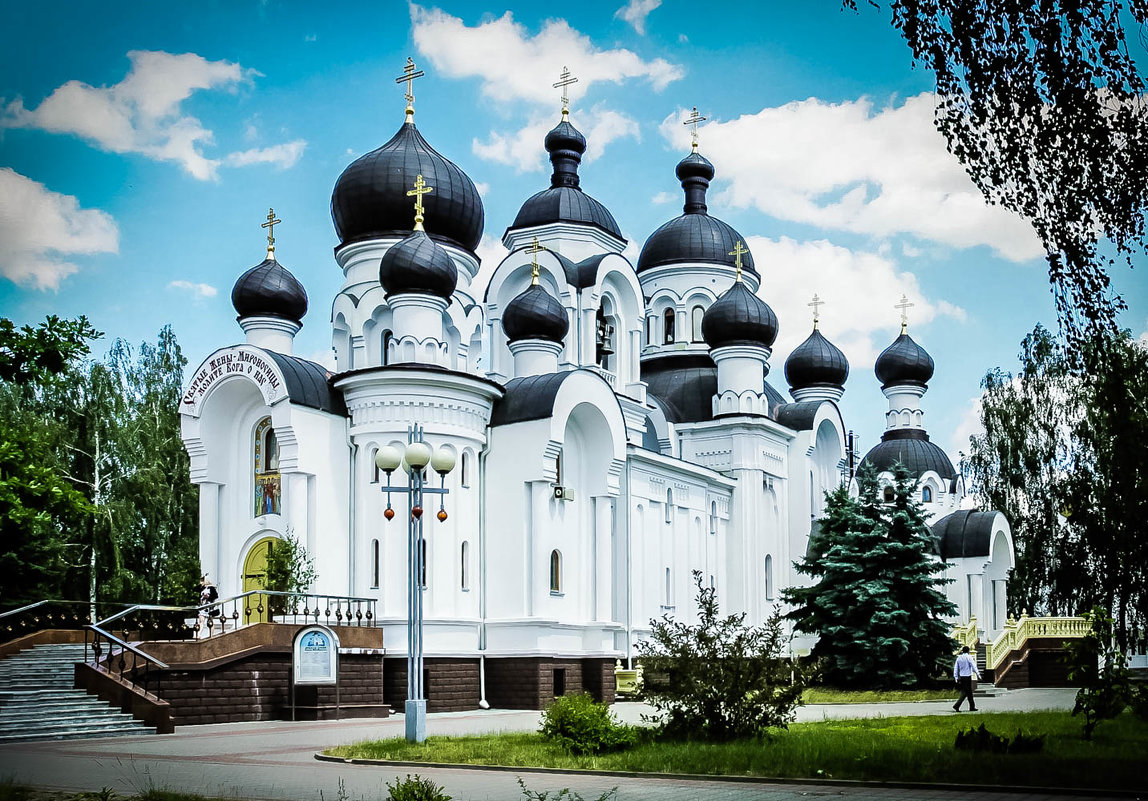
(908, 749)
(828, 695)
(9, 791)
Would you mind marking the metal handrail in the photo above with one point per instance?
(126, 646)
(49, 613)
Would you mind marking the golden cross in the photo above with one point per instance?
(270, 226)
(738, 251)
(693, 121)
(420, 189)
(564, 80)
(816, 303)
(904, 306)
(408, 77)
(535, 248)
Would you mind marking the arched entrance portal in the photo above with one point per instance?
(255, 578)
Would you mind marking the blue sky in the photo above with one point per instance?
(141, 145)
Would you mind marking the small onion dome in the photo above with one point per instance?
(418, 265)
(535, 314)
(269, 290)
(565, 201)
(695, 236)
(816, 362)
(739, 317)
(370, 198)
(904, 362)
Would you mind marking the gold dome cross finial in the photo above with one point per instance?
(270, 226)
(535, 248)
(564, 80)
(816, 303)
(408, 77)
(904, 306)
(738, 251)
(420, 189)
(692, 121)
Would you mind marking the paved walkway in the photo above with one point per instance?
(275, 760)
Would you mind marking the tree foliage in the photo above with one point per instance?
(719, 679)
(1043, 105)
(289, 567)
(876, 603)
(1098, 665)
(1063, 457)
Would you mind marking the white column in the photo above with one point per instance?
(209, 532)
(603, 542)
(535, 357)
(272, 333)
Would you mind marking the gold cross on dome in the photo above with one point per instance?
(408, 77)
(904, 306)
(692, 121)
(564, 80)
(420, 189)
(270, 226)
(535, 248)
(738, 251)
(816, 303)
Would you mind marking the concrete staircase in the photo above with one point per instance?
(37, 701)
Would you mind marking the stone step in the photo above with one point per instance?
(36, 719)
(39, 694)
(85, 724)
(66, 733)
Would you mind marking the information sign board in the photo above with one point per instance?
(315, 655)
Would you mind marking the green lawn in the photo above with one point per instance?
(914, 749)
(828, 695)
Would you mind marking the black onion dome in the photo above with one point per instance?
(418, 265)
(816, 362)
(904, 362)
(739, 317)
(370, 198)
(269, 290)
(565, 201)
(912, 448)
(535, 314)
(695, 172)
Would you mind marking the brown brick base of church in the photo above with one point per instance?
(452, 685)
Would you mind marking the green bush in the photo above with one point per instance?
(582, 725)
(415, 789)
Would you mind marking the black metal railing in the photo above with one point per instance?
(109, 654)
(52, 614)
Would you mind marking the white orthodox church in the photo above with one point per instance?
(617, 426)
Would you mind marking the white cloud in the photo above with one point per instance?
(325, 358)
(283, 156)
(142, 113)
(197, 291)
(968, 426)
(523, 150)
(490, 253)
(483, 188)
(39, 227)
(635, 13)
(512, 64)
(853, 167)
(859, 290)
(665, 197)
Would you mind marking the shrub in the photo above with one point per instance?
(415, 789)
(565, 794)
(582, 725)
(1101, 670)
(981, 739)
(720, 679)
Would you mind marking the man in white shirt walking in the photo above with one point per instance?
(964, 670)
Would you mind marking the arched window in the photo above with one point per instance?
(604, 328)
(812, 497)
(669, 506)
(696, 323)
(555, 572)
(374, 564)
(387, 337)
(650, 330)
(713, 517)
(464, 470)
(669, 589)
(266, 462)
(888, 494)
(558, 469)
(465, 567)
(926, 494)
(668, 327)
(374, 467)
(768, 577)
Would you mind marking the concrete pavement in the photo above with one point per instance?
(275, 760)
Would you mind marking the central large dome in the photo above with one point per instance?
(370, 198)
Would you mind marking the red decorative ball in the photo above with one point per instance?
(441, 515)
(417, 512)
(389, 513)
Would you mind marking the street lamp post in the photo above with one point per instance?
(414, 460)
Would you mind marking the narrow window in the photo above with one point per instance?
(768, 577)
(650, 330)
(423, 564)
(712, 585)
(888, 495)
(559, 682)
(668, 328)
(696, 323)
(926, 494)
(669, 588)
(713, 517)
(387, 337)
(555, 572)
(669, 506)
(374, 564)
(374, 467)
(465, 572)
(464, 470)
(558, 469)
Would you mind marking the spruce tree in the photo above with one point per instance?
(875, 605)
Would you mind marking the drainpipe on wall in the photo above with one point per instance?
(482, 702)
(629, 576)
(353, 448)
